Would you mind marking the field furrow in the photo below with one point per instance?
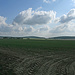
(37, 59)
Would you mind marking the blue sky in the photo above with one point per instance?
(37, 17)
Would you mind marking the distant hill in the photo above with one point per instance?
(9, 37)
(36, 37)
(63, 37)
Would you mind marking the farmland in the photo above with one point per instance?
(37, 57)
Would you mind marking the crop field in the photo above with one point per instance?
(37, 57)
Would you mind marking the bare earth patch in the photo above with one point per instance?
(46, 63)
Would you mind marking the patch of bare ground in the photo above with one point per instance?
(46, 63)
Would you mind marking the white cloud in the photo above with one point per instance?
(13, 30)
(38, 9)
(53, 0)
(46, 1)
(31, 17)
(2, 20)
(30, 22)
(67, 18)
(4, 27)
(25, 30)
(68, 28)
(73, 1)
(23, 16)
(59, 29)
(57, 20)
(29, 29)
(44, 28)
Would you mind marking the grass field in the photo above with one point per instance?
(38, 44)
(37, 57)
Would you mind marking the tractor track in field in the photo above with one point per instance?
(58, 68)
(46, 65)
(50, 63)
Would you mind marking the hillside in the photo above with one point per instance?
(10, 37)
(63, 37)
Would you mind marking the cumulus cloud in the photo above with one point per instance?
(68, 28)
(23, 16)
(23, 29)
(31, 17)
(9, 29)
(67, 18)
(28, 29)
(4, 27)
(44, 28)
(18, 29)
(2, 20)
(59, 29)
(30, 22)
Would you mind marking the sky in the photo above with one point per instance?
(44, 18)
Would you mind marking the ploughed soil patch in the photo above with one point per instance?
(16, 62)
(7, 63)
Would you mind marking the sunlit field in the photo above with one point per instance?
(37, 57)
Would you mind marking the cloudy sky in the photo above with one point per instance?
(45, 18)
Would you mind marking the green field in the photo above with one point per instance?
(37, 57)
(37, 44)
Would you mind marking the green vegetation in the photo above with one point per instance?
(37, 44)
